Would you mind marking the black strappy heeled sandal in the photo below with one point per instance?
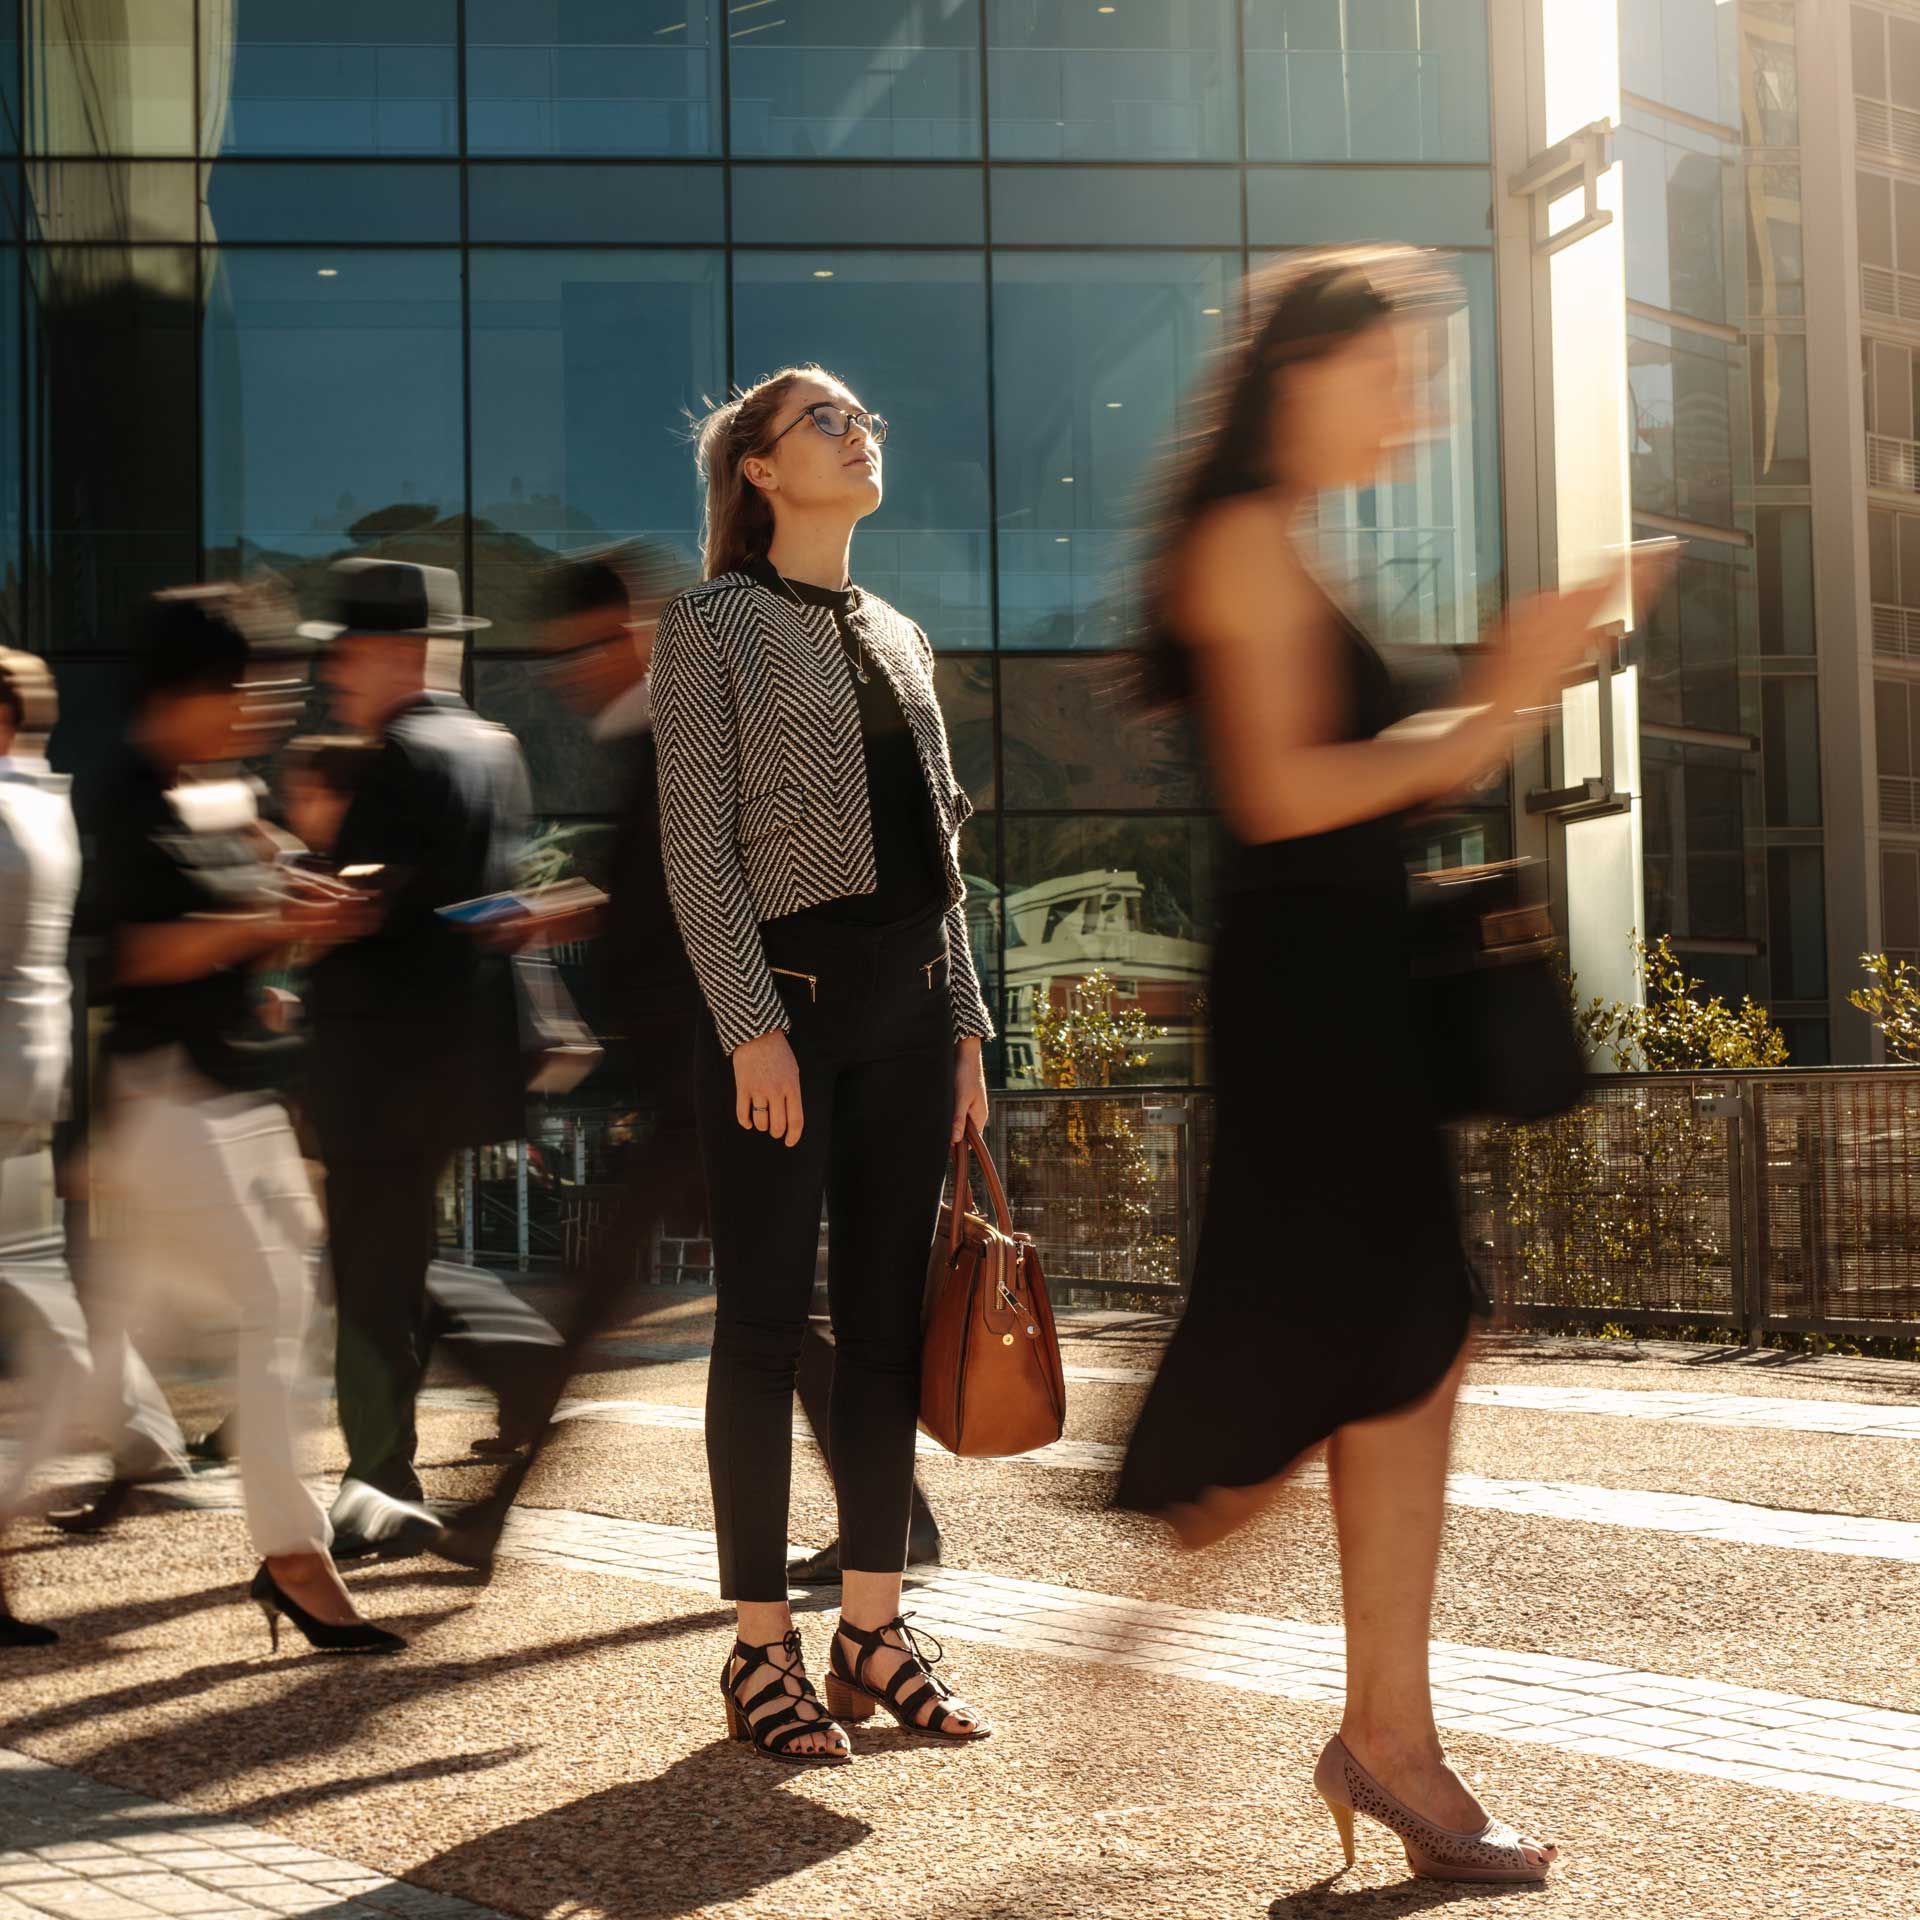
(852, 1696)
(777, 1734)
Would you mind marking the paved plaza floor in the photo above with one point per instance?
(1676, 1633)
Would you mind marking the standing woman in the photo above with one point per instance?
(1330, 1296)
(810, 825)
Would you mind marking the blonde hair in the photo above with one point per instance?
(739, 519)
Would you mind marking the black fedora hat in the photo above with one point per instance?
(392, 596)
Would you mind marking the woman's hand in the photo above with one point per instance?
(1544, 640)
(969, 1088)
(766, 1087)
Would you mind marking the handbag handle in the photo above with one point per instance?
(970, 1142)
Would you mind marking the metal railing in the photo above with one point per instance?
(1764, 1202)
(1886, 294)
(1893, 462)
(1881, 127)
(1896, 633)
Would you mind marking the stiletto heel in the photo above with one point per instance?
(914, 1682)
(779, 1732)
(1494, 1854)
(1343, 1819)
(357, 1636)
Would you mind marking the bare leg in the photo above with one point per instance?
(1389, 1480)
(765, 1624)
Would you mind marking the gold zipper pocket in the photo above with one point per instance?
(927, 967)
(794, 973)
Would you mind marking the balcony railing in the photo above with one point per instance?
(1896, 633)
(1888, 295)
(1880, 127)
(1893, 463)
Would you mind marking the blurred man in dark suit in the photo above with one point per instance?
(417, 1039)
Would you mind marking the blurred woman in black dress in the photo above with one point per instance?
(1331, 1296)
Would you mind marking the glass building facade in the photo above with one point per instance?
(445, 280)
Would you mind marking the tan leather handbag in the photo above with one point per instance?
(991, 1383)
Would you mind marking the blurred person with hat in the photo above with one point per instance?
(417, 1038)
(208, 1198)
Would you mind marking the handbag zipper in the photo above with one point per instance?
(794, 973)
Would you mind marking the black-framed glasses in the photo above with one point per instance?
(836, 422)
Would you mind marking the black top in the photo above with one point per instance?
(906, 836)
(152, 869)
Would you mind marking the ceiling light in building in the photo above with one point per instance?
(823, 273)
(1103, 9)
(1114, 406)
(1062, 539)
(1209, 309)
(679, 26)
(1066, 479)
(328, 273)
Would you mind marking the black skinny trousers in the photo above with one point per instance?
(873, 1036)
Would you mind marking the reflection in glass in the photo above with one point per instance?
(1783, 577)
(332, 410)
(330, 76)
(12, 627)
(1797, 922)
(878, 79)
(965, 686)
(10, 124)
(1770, 80)
(110, 345)
(283, 203)
(908, 332)
(1689, 649)
(569, 772)
(1133, 898)
(1071, 81)
(980, 867)
(585, 368)
(1683, 389)
(1366, 80)
(1790, 744)
(588, 76)
(1701, 880)
(1778, 368)
(1900, 902)
(1776, 266)
(1072, 739)
(1676, 232)
(1093, 354)
(1671, 51)
(110, 80)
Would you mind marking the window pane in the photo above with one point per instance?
(1891, 747)
(569, 772)
(1783, 575)
(1093, 353)
(1776, 264)
(111, 79)
(980, 868)
(1903, 61)
(880, 320)
(1070, 81)
(1327, 206)
(330, 76)
(1907, 526)
(868, 205)
(1709, 647)
(1367, 80)
(1899, 899)
(1883, 567)
(278, 202)
(1682, 450)
(584, 204)
(333, 415)
(10, 124)
(110, 343)
(877, 79)
(1790, 745)
(80, 200)
(585, 369)
(12, 627)
(1873, 212)
(1137, 207)
(592, 76)
(1870, 53)
(1797, 923)
(1779, 363)
(1892, 393)
(1716, 847)
(1906, 208)
(1131, 897)
(1771, 97)
(965, 685)
(1071, 740)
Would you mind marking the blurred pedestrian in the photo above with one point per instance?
(417, 1043)
(1330, 1297)
(211, 1214)
(810, 823)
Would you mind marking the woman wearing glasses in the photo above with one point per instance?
(809, 826)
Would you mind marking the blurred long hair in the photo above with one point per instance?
(1294, 310)
(739, 518)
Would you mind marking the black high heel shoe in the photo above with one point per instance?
(779, 1732)
(358, 1636)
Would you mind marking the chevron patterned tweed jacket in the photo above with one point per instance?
(763, 783)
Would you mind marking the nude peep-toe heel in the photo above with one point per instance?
(1495, 1853)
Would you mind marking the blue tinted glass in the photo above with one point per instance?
(586, 367)
(110, 340)
(592, 76)
(1092, 353)
(150, 201)
(1366, 79)
(1420, 554)
(10, 76)
(332, 410)
(12, 631)
(866, 205)
(330, 76)
(908, 333)
(1070, 80)
(581, 204)
(1116, 206)
(1326, 206)
(110, 79)
(277, 200)
(880, 79)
